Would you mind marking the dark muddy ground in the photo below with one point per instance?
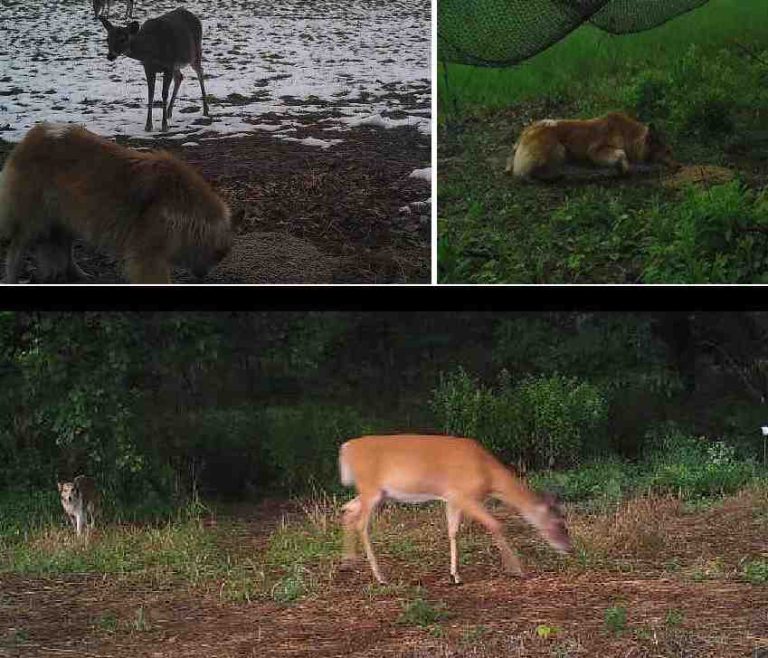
(309, 215)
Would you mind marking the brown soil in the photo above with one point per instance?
(492, 615)
(309, 215)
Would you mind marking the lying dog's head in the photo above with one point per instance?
(657, 149)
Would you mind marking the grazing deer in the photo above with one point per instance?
(164, 44)
(80, 500)
(98, 8)
(415, 469)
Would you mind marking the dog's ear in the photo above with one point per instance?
(60, 485)
(107, 25)
(134, 27)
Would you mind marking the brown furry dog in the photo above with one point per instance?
(150, 209)
(613, 140)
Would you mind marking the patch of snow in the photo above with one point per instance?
(424, 174)
(311, 141)
(359, 58)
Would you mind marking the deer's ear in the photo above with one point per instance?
(107, 25)
(133, 27)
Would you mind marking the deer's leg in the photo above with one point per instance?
(453, 514)
(167, 74)
(197, 65)
(151, 75)
(129, 9)
(177, 78)
(367, 506)
(351, 514)
(477, 511)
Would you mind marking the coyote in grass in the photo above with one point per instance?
(613, 140)
(80, 500)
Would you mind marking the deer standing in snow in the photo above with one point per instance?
(163, 45)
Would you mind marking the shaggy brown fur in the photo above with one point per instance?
(150, 209)
(613, 140)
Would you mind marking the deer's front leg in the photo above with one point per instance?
(167, 76)
(150, 97)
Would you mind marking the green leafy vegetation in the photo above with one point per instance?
(616, 619)
(418, 611)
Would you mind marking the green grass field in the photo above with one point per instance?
(701, 77)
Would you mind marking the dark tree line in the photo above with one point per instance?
(235, 403)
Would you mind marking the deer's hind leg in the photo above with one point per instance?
(177, 78)
(357, 515)
(197, 65)
(151, 75)
(167, 74)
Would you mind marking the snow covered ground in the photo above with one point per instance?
(344, 62)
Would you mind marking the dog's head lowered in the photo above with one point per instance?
(657, 149)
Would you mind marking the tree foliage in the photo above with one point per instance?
(158, 405)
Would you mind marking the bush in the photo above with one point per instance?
(690, 466)
(609, 479)
(538, 421)
(300, 444)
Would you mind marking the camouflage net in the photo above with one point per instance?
(505, 32)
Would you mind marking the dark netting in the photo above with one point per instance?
(505, 32)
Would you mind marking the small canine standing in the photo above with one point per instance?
(613, 140)
(80, 500)
(150, 209)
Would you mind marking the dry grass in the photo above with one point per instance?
(284, 595)
(639, 530)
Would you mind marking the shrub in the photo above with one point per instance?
(539, 421)
(690, 466)
(609, 479)
(300, 443)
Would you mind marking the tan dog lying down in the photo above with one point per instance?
(613, 140)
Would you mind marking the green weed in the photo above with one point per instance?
(616, 619)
